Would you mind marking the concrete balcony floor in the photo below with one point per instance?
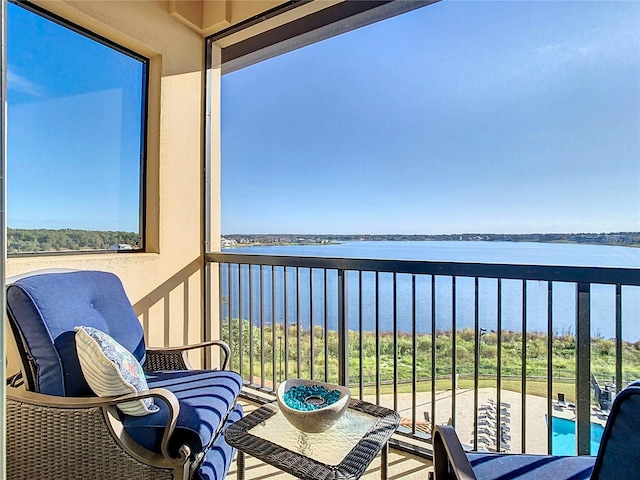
(401, 465)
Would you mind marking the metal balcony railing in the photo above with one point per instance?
(431, 338)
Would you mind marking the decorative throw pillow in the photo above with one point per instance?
(111, 370)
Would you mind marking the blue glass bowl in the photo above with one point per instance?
(312, 413)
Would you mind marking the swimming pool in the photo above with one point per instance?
(563, 432)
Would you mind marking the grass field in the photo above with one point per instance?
(537, 387)
(394, 359)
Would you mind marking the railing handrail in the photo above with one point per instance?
(549, 273)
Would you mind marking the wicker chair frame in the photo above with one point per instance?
(72, 437)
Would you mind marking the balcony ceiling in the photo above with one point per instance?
(212, 16)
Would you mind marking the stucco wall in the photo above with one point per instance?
(164, 284)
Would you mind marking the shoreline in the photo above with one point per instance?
(251, 240)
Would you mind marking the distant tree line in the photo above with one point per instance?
(66, 239)
(629, 239)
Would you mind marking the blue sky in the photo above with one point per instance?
(458, 117)
(493, 117)
(74, 109)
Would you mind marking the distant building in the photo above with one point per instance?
(121, 246)
(227, 242)
(604, 396)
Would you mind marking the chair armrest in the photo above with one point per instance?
(169, 398)
(449, 456)
(172, 351)
(107, 403)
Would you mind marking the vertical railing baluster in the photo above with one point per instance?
(230, 300)
(343, 330)
(262, 376)
(298, 343)
(286, 327)
(221, 303)
(312, 359)
(583, 373)
(618, 338)
(499, 371)
(326, 326)
(433, 350)
(377, 290)
(414, 360)
(454, 348)
(251, 346)
(395, 341)
(240, 324)
(274, 333)
(549, 367)
(207, 314)
(361, 335)
(476, 365)
(523, 395)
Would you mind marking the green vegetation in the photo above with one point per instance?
(43, 240)
(625, 239)
(562, 349)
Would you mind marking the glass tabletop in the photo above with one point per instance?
(329, 447)
(343, 451)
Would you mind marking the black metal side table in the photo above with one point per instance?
(342, 452)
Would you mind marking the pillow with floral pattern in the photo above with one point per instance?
(111, 370)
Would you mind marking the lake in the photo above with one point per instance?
(564, 312)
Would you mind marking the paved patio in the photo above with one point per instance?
(536, 412)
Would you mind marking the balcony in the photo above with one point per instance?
(408, 335)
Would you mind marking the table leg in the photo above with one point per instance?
(384, 461)
(240, 465)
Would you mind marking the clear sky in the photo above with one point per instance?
(491, 117)
(458, 117)
(74, 129)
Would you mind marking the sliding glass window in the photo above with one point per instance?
(76, 129)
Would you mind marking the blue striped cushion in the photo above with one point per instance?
(206, 397)
(111, 370)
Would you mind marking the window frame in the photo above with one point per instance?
(144, 120)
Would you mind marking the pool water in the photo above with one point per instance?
(564, 436)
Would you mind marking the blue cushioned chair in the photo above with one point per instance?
(57, 427)
(618, 456)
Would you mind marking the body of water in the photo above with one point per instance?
(315, 309)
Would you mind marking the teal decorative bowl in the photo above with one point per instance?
(312, 406)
